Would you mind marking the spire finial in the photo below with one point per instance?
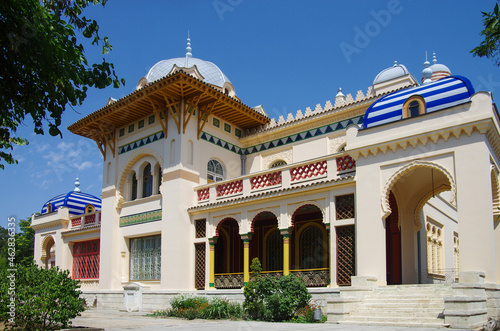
(188, 51)
(434, 60)
(427, 72)
(77, 186)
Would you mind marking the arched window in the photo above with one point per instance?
(215, 172)
(89, 209)
(147, 182)
(49, 208)
(133, 194)
(275, 252)
(160, 174)
(277, 163)
(311, 248)
(414, 106)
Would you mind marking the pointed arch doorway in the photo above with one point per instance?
(393, 244)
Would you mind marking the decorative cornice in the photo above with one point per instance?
(49, 224)
(420, 139)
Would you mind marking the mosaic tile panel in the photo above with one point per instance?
(282, 141)
(150, 216)
(141, 142)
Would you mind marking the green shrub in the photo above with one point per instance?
(191, 307)
(43, 299)
(275, 298)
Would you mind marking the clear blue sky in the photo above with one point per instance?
(286, 55)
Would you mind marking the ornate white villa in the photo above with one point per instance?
(394, 188)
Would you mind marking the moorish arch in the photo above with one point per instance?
(131, 162)
(407, 169)
(306, 204)
(47, 244)
(218, 223)
(264, 212)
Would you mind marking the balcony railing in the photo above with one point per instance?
(82, 221)
(331, 167)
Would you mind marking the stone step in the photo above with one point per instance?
(399, 312)
(404, 324)
(403, 320)
(406, 304)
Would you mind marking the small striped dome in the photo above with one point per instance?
(441, 94)
(75, 201)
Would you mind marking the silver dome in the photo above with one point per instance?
(212, 74)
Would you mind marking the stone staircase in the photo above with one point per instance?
(399, 305)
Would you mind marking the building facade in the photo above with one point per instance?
(397, 185)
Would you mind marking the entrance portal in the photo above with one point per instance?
(393, 244)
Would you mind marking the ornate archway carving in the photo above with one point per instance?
(386, 210)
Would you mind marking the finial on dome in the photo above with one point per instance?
(427, 72)
(188, 51)
(395, 63)
(340, 94)
(434, 60)
(77, 184)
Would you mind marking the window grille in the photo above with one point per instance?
(344, 206)
(275, 252)
(312, 248)
(346, 252)
(199, 273)
(86, 259)
(145, 258)
(201, 228)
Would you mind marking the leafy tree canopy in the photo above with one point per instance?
(489, 47)
(43, 66)
(22, 248)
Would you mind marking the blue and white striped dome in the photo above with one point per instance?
(75, 201)
(441, 94)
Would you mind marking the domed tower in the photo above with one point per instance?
(76, 201)
(205, 71)
(393, 78)
(438, 70)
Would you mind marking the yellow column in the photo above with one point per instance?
(211, 280)
(246, 257)
(286, 250)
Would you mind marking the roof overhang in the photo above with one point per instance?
(161, 95)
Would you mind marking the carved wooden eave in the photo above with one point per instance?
(421, 139)
(176, 96)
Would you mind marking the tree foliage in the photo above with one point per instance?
(43, 67)
(490, 46)
(38, 299)
(24, 242)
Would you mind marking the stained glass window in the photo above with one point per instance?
(145, 258)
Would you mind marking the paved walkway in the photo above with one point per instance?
(112, 320)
